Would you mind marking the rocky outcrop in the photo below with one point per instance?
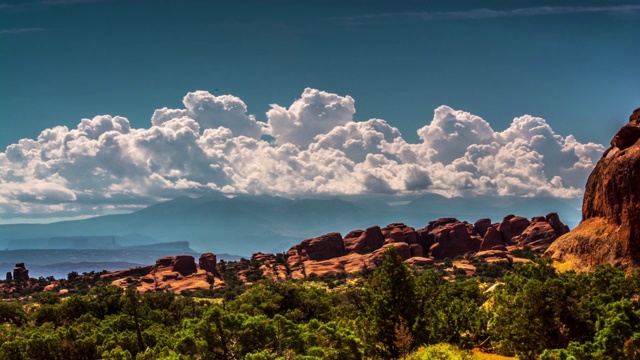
(541, 232)
(399, 233)
(207, 262)
(9, 276)
(322, 248)
(481, 226)
(271, 266)
(171, 273)
(454, 239)
(363, 242)
(20, 272)
(512, 226)
(184, 264)
(440, 239)
(610, 227)
(492, 238)
(358, 251)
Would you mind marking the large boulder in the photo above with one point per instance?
(416, 250)
(399, 232)
(207, 262)
(492, 238)
(512, 226)
(541, 233)
(185, 265)
(454, 239)
(324, 247)
(482, 225)
(610, 227)
(364, 241)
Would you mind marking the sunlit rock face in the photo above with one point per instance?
(445, 238)
(610, 227)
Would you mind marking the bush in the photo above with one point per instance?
(440, 352)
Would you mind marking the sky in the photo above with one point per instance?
(114, 105)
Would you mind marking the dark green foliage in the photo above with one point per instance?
(536, 312)
(490, 272)
(450, 311)
(592, 315)
(389, 301)
(12, 312)
(525, 253)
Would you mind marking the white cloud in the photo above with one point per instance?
(214, 145)
(485, 13)
(19, 30)
(212, 111)
(315, 113)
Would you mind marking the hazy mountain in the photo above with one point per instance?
(247, 224)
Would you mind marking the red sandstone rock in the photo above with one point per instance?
(419, 261)
(453, 239)
(441, 222)
(166, 261)
(482, 225)
(185, 265)
(137, 271)
(554, 220)
(401, 248)
(170, 273)
(512, 226)
(363, 242)
(416, 250)
(492, 238)
(423, 238)
(20, 272)
(410, 236)
(541, 234)
(610, 227)
(396, 235)
(497, 254)
(322, 248)
(207, 262)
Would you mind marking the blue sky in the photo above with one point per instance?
(577, 68)
(573, 63)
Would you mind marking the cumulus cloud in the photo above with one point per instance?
(212, 112)
(213, 144)
(316, 112)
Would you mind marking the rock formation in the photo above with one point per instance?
(440, 239)
(454, 239)
(541, 232)
(20, 272)
(359, 250)
(363, 242)
(207, 262)
(171, 273)
(322, 248)
(610, 227)
(9, 276)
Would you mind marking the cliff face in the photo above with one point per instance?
(610, 227)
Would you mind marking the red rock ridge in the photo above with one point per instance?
(443, 238)
(171, 273)
(610, 227)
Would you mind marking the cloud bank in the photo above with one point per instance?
(313, 146)
(485, 13)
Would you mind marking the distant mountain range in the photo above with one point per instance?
(247, 224)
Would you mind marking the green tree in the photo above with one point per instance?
(389, 299)
(132, 306)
